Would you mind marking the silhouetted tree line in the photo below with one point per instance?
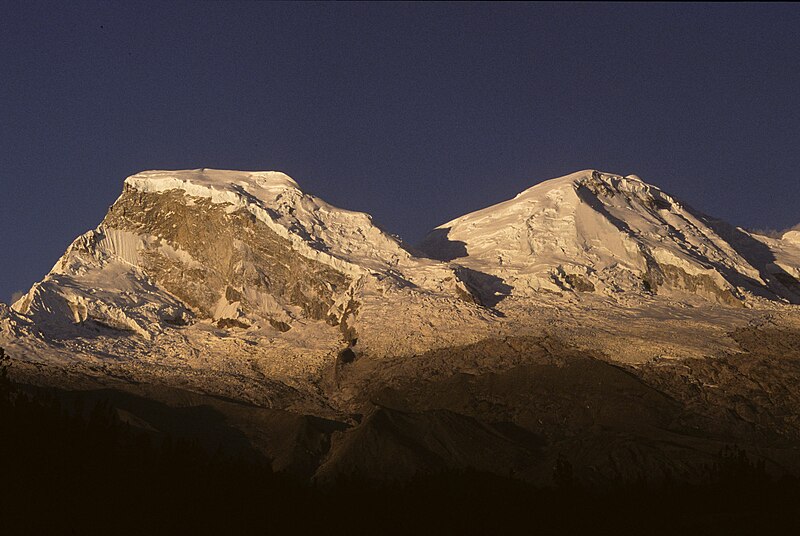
(82, 471)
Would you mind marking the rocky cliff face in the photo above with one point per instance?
(224, 264)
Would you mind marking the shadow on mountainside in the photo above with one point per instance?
(439, 247)
(760, 257)
(487, 289)
(64, 474)
(666, 420)
(203, 424)
(291, 443)
(780, 284)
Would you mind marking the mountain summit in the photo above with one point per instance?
(599, 232)
(232, 247)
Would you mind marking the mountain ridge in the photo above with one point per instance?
(241, 287)
(570, 231)
(250, 253)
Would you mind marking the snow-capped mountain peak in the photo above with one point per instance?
(601, 232)
(231, 246)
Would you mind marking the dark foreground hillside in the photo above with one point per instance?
(80, 470)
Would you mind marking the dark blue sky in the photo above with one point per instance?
(415, 113)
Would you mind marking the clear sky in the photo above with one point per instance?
(415, 113)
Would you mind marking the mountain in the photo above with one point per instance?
(613, 235)
(231, 281)
(237, 248)
(593, 316)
